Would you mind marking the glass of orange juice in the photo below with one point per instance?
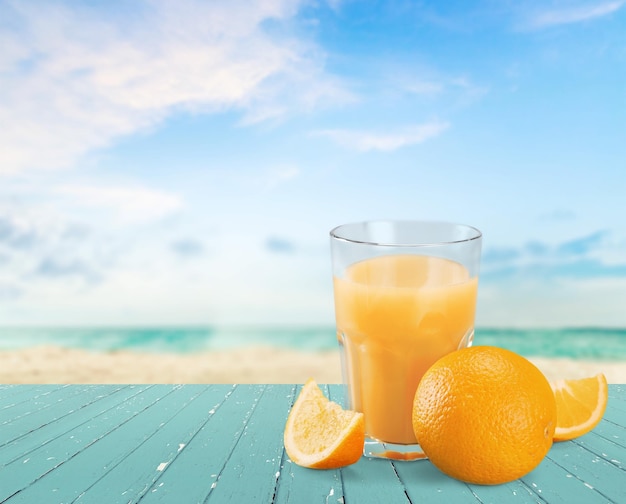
(405, 295)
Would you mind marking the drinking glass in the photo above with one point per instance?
(405, 295)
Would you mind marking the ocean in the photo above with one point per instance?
(577, 343)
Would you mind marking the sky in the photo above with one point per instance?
(182, 163)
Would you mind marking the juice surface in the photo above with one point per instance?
(396, 315)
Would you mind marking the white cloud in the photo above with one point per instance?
(532, 303)
(281, 174)
(335, 4)
(76, 79)
(573, 14)
(41, 244)
(384, 141)
(424, 87)
(129, 204)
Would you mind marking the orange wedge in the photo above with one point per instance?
(580, 405)
(320, 434)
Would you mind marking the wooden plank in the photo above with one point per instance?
(515, 491)
(27, 438)
(253, 468)
(618, 391)
(602, 447)
(54, 410)
(139, 471)
(297, 484)
(67, 465)
(605, 480)
(197, 469)
(556, 485)
(221, 443)
(10, 395)
(423, 481)
(616, 408)
(42, 398)
(27, 457)
(374, 479)
(611, 431)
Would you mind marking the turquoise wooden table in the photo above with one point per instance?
(219, 443)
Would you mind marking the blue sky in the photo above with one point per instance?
(183, 162)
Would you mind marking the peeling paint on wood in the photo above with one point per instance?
(223, 443)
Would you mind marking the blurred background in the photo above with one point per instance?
(170, 171)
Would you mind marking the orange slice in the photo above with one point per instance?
(320, 434)
(580, 405)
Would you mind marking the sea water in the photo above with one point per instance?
(576, 343)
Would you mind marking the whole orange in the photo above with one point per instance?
(484, 415)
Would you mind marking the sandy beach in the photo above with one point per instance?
(51, 364)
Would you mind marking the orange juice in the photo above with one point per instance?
(396, 315)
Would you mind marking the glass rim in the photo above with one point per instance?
(476, 235)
